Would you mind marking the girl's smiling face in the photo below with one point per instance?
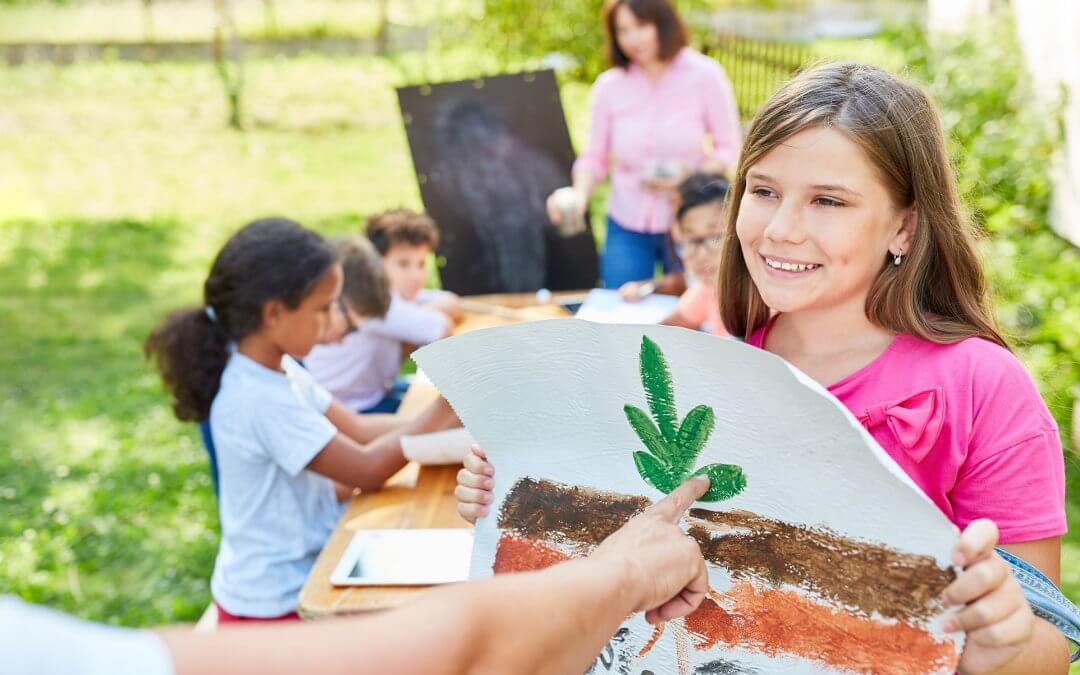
(816, 222)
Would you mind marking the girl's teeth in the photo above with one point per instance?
(789, 267)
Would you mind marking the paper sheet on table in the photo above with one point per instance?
(606, 306)
(440, 447)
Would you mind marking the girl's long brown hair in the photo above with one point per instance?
(939, 292)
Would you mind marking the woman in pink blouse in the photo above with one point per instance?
(661, 112)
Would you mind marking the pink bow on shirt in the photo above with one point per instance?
(915, 421)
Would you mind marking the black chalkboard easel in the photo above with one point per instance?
(487, 153)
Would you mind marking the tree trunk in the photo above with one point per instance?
(382, 36)
(148, 20)
(270, 17)
(228, 59)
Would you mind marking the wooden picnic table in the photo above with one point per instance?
(417, 496)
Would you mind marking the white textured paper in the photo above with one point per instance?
(546, 400)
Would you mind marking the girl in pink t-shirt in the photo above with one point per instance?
(846, 229)
(846, 252)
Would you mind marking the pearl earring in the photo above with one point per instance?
(898, 258)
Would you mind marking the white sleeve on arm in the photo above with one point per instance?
(39, 641)
(410, 322)
(305, 387)
(292, 434)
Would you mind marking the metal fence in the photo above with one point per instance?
(756, 68)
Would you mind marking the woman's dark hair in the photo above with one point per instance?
(268, 259)
(670, 30)
(701, 188)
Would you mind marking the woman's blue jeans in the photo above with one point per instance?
(632, 256)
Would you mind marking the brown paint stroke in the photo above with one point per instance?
(866, 577)
(544, 509)
(779, 622)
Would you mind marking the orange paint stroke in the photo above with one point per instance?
(518, 554)
(776, 623)
(657, 631)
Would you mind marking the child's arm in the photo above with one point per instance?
(672, 283)
(511, 624)
(414, 323)
(368, 467)
(1044, 554)
(363, 427)
(449, 304)
(692, 309)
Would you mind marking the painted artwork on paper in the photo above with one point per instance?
(823, 556)
(671, 447)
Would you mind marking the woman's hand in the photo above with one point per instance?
(555, 203)
(662, 184)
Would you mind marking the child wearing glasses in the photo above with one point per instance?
(698, 233)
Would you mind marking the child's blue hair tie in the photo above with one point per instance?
(211, 314)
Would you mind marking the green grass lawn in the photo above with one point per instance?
(120, 181)
(194, 20)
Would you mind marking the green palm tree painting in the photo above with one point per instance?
(673, 448)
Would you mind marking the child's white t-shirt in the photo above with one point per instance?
(267, 426)
(362, 367)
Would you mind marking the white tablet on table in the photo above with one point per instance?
(405, 558)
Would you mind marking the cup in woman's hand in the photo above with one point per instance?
(570, 210)
(661, 174)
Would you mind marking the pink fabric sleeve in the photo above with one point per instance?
(1021, 488)
(1014, 469)
(598, 149)
(722, 117)
(694, 304)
